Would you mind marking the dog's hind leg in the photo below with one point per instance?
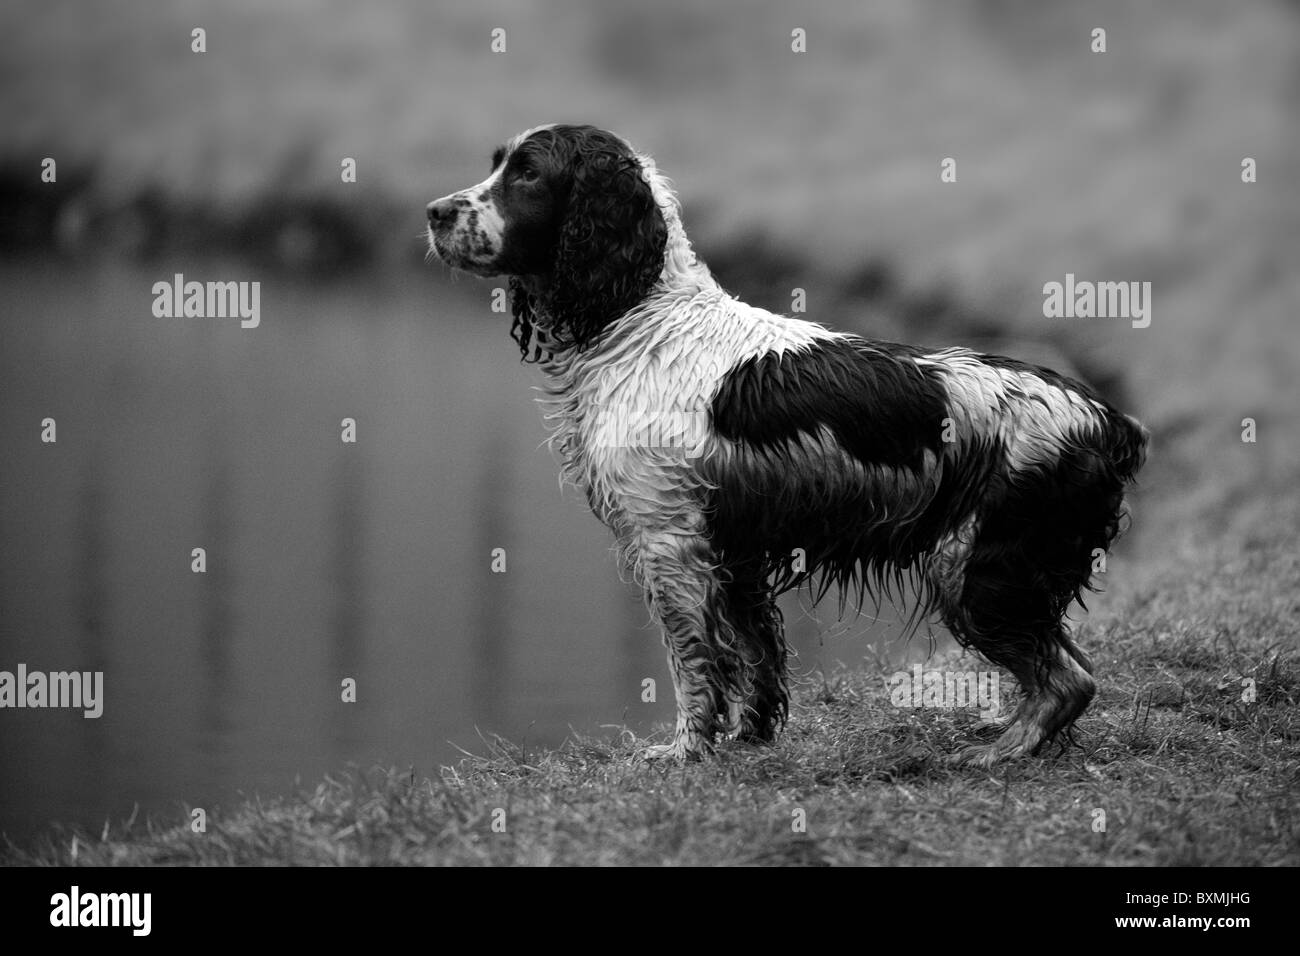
(1055, 689)
(1033, 556)
(1002, 606)
(1053, 696)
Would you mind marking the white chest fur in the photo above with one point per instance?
(631, 415)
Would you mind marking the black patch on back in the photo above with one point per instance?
(878, 403)
(861, 538)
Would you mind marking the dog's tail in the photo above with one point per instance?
(1124, 450)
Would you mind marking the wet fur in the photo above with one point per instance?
(736, 453)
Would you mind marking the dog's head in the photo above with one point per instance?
(569, 214)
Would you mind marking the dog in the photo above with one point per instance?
(736, 454)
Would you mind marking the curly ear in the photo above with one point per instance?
(610, 249)
(535, 326)
(523, 305)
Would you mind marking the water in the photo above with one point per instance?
(325, 560)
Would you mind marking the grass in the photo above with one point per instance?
(1184, 769)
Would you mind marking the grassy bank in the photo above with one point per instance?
(1185, 771)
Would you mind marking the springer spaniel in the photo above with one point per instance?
(736, 453)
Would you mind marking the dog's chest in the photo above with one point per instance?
(631, 428)
(633, 416)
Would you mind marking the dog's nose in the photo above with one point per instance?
(440, 211)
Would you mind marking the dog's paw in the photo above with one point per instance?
(974, 755)
(677, 752)
(657, 752)
(1018, 740)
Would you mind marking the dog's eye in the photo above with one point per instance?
(527, 174)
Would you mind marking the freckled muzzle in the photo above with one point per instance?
(465, 232)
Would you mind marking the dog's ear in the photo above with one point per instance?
(609, 250)
(523, 305)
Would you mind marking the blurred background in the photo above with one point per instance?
(817, 170)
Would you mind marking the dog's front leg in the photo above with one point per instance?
(679, 575)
